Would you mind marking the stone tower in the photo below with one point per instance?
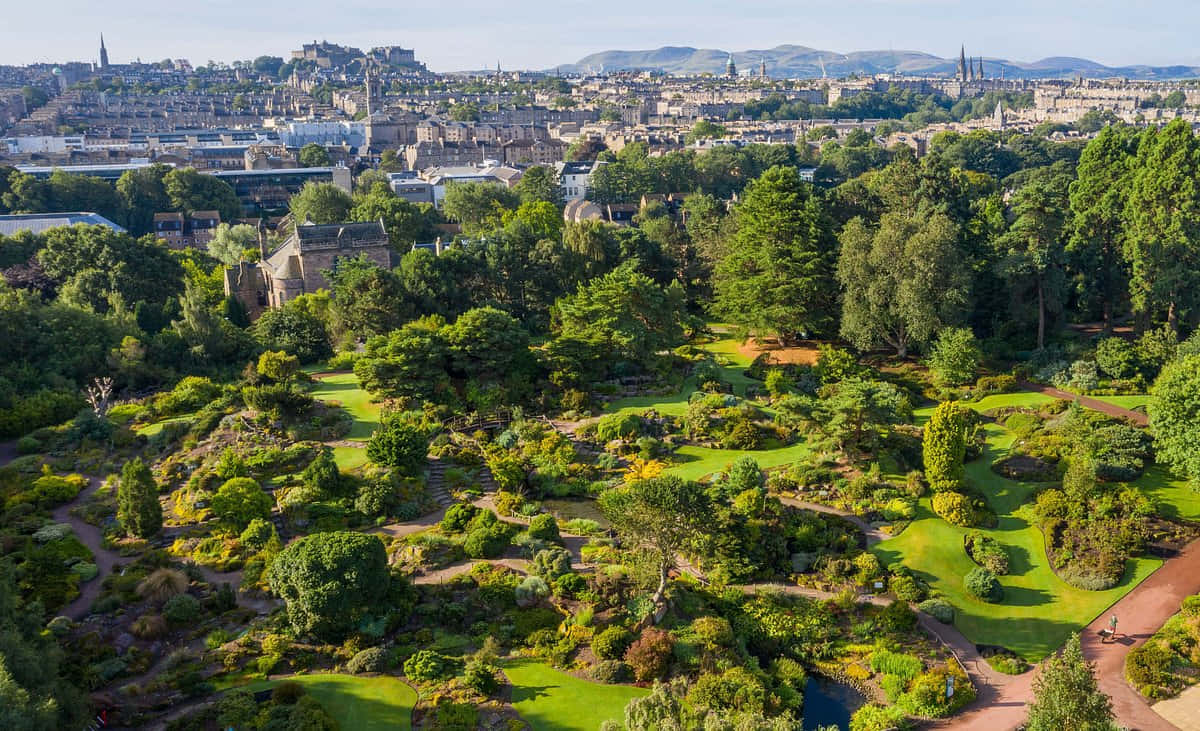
(374, 92)
(962, 65)
(730, 68)
(762, 68)
(103, 53)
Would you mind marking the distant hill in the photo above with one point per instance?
(801, 61)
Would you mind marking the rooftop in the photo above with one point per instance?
(39, 222)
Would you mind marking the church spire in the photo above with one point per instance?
(103, 53)
(962, 64)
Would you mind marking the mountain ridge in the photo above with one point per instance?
(790, 60)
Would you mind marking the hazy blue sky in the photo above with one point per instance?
(542, 33)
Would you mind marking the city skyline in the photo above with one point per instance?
(537, 35)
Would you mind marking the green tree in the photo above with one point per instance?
(626, 314)
(366, 298)
(954, 358)
(229, 243)
(944, 447)
(138, 509)
(660, 516)
(411, 361)
(313, 155)
(902, 281)
(321, 203)
(1098, 203)
(778, 274)
(489, 348)
(1175, 416)
(330, 581)
(1065, 694)
(34, 694)
(399, 444)
(297, 328)
(143, 193)
(240, 500)
(189, 191)
(857, 412)
(1033, 247)
(1163, 223)
(478, 206)
(539, 183)
(406, 223)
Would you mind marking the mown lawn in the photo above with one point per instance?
(699, 462)
(1038, 610)
(1136, 403)
(383, 703)
(344, 388)
(551, 700)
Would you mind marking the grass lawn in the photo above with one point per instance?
(344, 388)
(381, 703)
(150, 430)
(702, 461)
(1136, 403)
(1038, 610)
(349, 458)
(551, 700)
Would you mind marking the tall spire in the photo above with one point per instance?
(979, 75)
(962, 64)
(103, 53)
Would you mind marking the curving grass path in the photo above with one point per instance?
(551, 700)
(381, 703)
(1038, 610)
(345, 389)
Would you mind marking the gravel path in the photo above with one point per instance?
(1095, 404)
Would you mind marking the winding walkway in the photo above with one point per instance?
(1103, 407)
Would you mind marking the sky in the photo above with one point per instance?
(534, 34)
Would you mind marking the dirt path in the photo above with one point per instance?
(873, 535)
(90, 536)
(1086, 401)
(1139, 614)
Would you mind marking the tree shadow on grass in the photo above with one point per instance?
(521, 693)
(1022, 596)
(1019, 560)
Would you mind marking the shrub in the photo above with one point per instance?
(582, 527)
(956, 509)
(898, 617)
(649, 654)
(1149, 666)
(487, 541)
(428, 666)
(182, 609)
(570, 585)
(552, 563)
(986, 552)
(1117, 357)
(531, 590)
(926, 695)
(240, 500)
(149, 626)
(370, 660)
(544, 527)
(481, 677)
(612, 643)
(990, 385)
(777, 383)
(874, 717)
(399, 444)
(162, 584)
(743, 435)
(983, 584)
(457, 517)
(939, 609)
(618, 426)
(906, 588)
(899, 664)
(287, 693)
(611, 671)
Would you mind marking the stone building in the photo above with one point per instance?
(298, 265)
